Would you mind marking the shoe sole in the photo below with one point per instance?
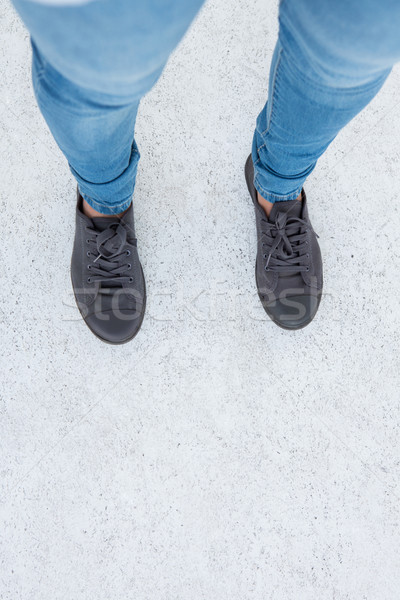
(127, 339)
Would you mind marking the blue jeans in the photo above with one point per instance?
(92, 63)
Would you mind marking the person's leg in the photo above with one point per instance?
(330, 60)
(95, 133)
(91, 65)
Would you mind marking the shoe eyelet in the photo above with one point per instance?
(130, 279)
(89, 280)
(265, 256)
(308, 268)
(266, 268)
(128, 252)
(88, 253)
(129, 266)
(89, 267)
(307, 255)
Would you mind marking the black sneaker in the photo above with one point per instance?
(289, 264)
(107, 276)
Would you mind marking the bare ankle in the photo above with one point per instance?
(267, 205)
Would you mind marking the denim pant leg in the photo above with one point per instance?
(330, 60)
(92, 63)
(95, 135)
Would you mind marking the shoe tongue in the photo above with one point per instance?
(101, 223)
(286, 206)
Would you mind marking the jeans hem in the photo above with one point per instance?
(106, 209)
(274, 197)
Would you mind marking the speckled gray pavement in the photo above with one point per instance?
(216, 456)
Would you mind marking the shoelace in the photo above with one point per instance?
(109, 256)
(287, 242)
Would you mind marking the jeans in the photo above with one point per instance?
(93, 63)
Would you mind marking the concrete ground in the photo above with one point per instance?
(216, 456)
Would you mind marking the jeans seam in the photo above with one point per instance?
(37, 83)
(258, 151)
(273, 93)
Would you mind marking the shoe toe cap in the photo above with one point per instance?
(115, 328)
(293, 312)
